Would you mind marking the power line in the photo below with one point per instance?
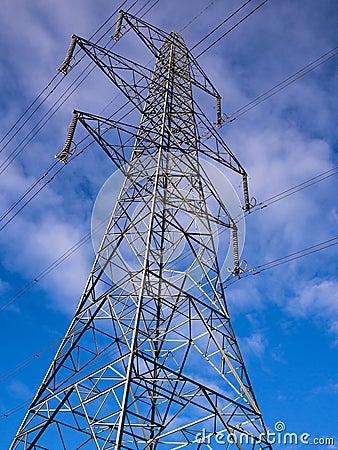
(282, 84)
(19, 407)
(286, 259)
(197, 16)
(254, 271)
(121, 108)
(263, 204)
(46, 271)
(41, 123)
(232, 28)
(290, 191)
(257, 205)
(49, 180)
(31, 198)
(58, 74)
(220, 25)
(295, 255)
(25, 112)
(299, 187)
(36, 129)
(10, 158)
(29, 360)
(15, 409)
(230, 118)
(24, 195)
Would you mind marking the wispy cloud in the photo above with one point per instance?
(254, 346)
(317, 298)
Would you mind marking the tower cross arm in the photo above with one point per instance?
(154, 38)
(115, 67)
(124, 136)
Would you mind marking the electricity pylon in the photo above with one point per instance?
(150, 360)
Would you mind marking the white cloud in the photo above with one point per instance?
(317, 299)
(19, 390)
(334, 327)
(317, 296)
(42, 244)
(253, 346)
(327, 388)
(244, 298)
(40, 234)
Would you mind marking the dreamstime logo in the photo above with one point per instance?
(279, 436)
(179, 260)
(280, 426)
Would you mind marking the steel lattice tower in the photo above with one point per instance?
(150, 360)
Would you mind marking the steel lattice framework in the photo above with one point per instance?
(150, 360)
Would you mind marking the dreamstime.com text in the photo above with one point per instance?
(279, 436)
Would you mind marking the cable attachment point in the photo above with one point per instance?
(253, 202)
(116, 36)
(65, 65)
(66, 152)
(238, 269)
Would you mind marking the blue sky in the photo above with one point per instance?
(286, 319)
